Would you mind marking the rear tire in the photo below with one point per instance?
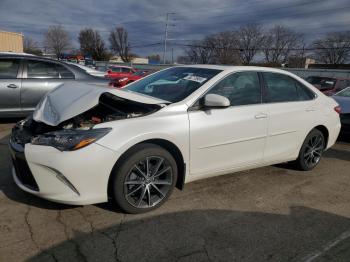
(145, 178)
(311, 151)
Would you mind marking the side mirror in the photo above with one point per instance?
(213, 100)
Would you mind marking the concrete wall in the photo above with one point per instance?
(11, 42)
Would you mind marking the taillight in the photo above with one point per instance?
(337, 109)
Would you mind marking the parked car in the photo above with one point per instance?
(25, 79)
(328, 85)
(119, 71)
(88, 70)
(137, 143)
(123, 81)
(343, 99)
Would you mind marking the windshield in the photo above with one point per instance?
(173, 84)
(322, 83)
(345, 92)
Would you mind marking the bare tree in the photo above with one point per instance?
(57, 40)
(249, 40)
(31, 46)
(278, 43)
(200, 51)
(92, 44)
(225, 48)
(334, 48)
(120, 43)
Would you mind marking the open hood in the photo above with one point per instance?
(71, 99)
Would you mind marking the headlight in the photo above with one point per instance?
(123, 79)
(69, 140)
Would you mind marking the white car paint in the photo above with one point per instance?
(88, 70)
(213, 142)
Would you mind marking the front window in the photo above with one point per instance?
(173, 84)
(345, 92)
(240, 88)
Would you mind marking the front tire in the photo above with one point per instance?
(311, 151)
(145, 178)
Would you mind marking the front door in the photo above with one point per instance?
(10, 86)
(229, 138)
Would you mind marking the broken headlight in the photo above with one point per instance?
(69, 140)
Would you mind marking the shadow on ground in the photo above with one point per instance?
(211, 235)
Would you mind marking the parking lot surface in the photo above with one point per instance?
(266, 214)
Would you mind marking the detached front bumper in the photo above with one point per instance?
(77, 177)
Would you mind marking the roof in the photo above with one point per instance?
(239, 68)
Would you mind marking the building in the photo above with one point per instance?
(135, 60)
(11, 42)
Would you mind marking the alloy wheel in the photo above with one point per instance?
(313, 150)
(148, 182)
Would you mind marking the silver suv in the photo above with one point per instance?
(24, 79)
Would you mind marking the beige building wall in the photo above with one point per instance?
(11, 42)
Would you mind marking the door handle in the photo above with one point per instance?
(12, 86)
(260, 115)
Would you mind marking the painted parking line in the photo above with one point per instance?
(311, 257)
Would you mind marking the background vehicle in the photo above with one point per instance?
(25, 79)
(119, 71)
(123, 81)
(137, 143)
(343, 99)
(88, 70)
(328, 85)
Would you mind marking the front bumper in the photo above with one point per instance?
(77, 177)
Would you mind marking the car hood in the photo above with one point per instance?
(344, 103)
(71, 99)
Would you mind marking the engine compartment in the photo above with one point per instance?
(110, 108)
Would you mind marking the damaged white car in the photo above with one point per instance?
(85, 144)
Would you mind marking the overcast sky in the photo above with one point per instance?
(145, 20)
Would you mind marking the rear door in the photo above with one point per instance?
(291, 113)
(39, 77)
(10, 86)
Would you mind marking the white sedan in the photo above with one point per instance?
(85, 144)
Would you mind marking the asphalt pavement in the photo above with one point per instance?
(273, 213)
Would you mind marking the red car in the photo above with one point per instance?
(328, 85)
(123, 81)
(119, 71)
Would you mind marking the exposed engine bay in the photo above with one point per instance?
(109, 108)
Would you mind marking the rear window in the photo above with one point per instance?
(41, 69)
(322, 83)
(282, 88)
(9, 68)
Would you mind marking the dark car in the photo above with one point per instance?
(343, 99)
(24, 79)
(328, 85)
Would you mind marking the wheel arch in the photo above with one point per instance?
(324, 132)
(167, 145)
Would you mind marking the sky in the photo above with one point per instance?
(190, 19)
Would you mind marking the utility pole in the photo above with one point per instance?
(172, 55)
(166, 34)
